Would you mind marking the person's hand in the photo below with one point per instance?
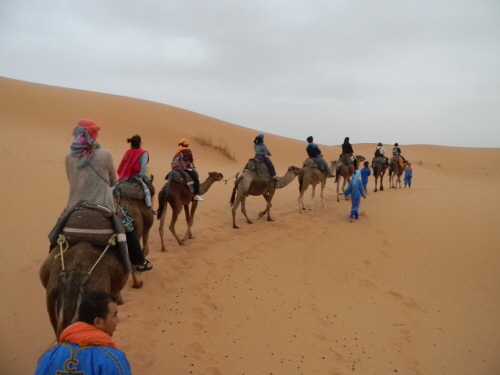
(364, 196)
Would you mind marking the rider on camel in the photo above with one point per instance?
(262, 153)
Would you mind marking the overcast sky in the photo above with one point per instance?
(413, 72)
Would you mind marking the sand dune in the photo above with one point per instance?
(412, 287)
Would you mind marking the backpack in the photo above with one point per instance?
(377, 152)
(178, 162)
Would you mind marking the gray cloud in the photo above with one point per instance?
(408, 72)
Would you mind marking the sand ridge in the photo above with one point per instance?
(411, 287)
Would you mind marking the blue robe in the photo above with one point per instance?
(365, 172)
(67, 358)
(356, 191)
(408, 175)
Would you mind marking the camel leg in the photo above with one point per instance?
(235, 206)
(346, 181)
(313, 191)
(175, 214)
(376, 182)
(244, 209)
(321, 193)
(136, 281)
(269, 197)
(338, 195)
(190, 220)
(162, 226)
(301, 202)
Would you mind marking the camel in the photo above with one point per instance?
(65, 286)
(180, 196)
(346, 171)
(396, 170)
(248, 183)
(143, 221)
(379, 168)
(311, 175)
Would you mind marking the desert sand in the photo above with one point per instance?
(410, 288)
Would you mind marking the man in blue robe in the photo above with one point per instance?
(356, 191)
(86, 347)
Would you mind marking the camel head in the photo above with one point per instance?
(216, 175)
(360, 159)
(296, 170)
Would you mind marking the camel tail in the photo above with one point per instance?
(162, 196)
(233, 195)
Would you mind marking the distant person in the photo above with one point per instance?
(314, 152)
(86, 347)
(135, 165)
(408, 175)
(347, 150)
(262, 153)
(183, 160)
(365, 173)
(397, 151)
(380, 151)
(91, 175)
(356, 191)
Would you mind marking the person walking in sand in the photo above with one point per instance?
(408, 175)
(262, 153)
(365, 173)
(86, 347)
(183, 160)
(134, 164)
(356, 191)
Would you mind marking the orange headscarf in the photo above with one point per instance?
(183, 145)
(84, 334)
(92, 128)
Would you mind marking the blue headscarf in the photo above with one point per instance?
(355, 178)
(83, 146)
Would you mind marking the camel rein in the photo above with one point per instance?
(63, 243)
(230, 178)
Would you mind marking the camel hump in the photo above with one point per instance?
(312, 163)
(259, 167)
(130, 188)
(89, 224)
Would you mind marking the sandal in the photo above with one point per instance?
(146, 266)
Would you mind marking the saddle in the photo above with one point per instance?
(346, 159)
(313, 163)
(378, 159)
(259, 167)
(89, 223)
(131, 188)
(182, 177)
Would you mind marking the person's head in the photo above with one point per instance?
(379, 144)
(396, 144)
(259, 139)
(135, 141)
(92, 128)
(184, 142)
(346, 140)
(99, 309)
(366, 164)
(310, 139)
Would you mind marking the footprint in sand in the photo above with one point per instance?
(407, 301)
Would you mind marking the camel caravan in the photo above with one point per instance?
(102, 236)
